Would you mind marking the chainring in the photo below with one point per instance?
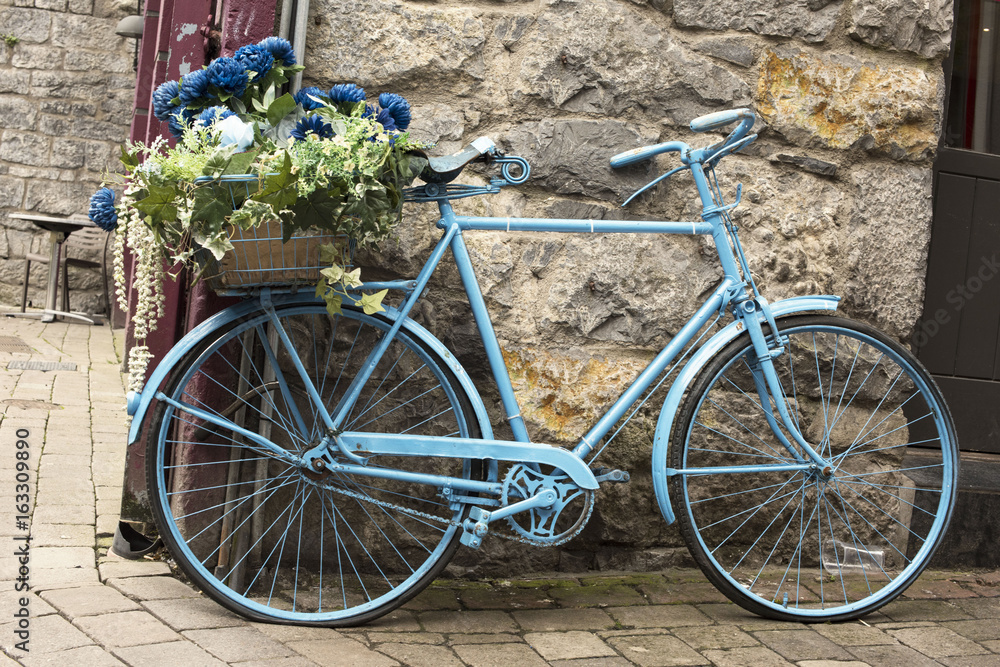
(546, 526)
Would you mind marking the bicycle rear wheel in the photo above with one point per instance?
(278, 543)
(803, 545)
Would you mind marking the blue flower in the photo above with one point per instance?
(179, 121)
(194, 88)
(162, 105)
(280, 49)
(398, 108)
(256, 59)
(213, 115)
(347, 92)
(304, 96)
(228, 75)
(381, 116)
(312, 125)
(102, 209)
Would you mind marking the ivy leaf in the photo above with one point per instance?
(159, 202)
(218, 161)
(372, 303)
(279, 188)
(333, 304)
(130, 160)
(211, 206)
(280, 108)
(218, 245)
(316, 210)
(240, 162)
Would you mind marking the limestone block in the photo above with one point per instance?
(607, 57)
(58, 197)
(24, 148)
(68, 153)
(572, 156)
(920, 26)
(809, 20)
(13, 81)
(36, 56)
(74, 30)
(735, 50)
(402, 44)
(67, 108)
(68, 85)
(31, 26)
(890, 230)
(11, 191)
(17, 113)
(837, 101)
(98, 61)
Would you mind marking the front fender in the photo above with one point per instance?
(139, 403)
(691, 370)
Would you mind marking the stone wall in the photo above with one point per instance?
(66, 90)
(837, 189)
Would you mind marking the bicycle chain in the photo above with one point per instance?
(424, 515)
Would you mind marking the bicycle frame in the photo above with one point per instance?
(730, 295)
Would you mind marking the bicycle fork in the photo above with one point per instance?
(770, 390)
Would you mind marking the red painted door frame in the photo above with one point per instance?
(174, 43)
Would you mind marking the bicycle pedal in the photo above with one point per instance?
(474, 528)
(613, 476)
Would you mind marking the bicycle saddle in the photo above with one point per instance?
(446, 168)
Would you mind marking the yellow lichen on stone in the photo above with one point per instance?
(838, 103)
(565, 393)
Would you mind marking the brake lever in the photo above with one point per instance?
(652, 183)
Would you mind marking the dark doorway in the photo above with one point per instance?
(958, 338)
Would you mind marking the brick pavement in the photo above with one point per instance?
(88, 609)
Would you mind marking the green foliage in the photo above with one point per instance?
(10, 39)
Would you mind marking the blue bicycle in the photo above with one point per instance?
(323, 470)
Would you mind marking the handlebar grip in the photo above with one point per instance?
(645, 153)
(714, 121)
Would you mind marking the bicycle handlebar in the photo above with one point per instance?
(712, 121)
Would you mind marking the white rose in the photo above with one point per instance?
(235, 131)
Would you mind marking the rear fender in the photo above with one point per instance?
(692, 369)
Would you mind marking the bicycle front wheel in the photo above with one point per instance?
(279, 543)
(810, 544)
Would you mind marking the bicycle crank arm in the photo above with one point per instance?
(368, 444)
(474, 528)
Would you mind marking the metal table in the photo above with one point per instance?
(58, 229)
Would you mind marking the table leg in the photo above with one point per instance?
(55, 240)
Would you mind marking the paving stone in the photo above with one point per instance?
(797, 645)
(758, 656)
(891, 656)
(238, 644)
(498, 655)
(400, 620)
(153, 588)
(85, 656)
(48, 634)
(972, 661)
(937, 642)
(659, 616)
(592, 662)
(980, 607)
(61, 535)
(563, 619)
(121, 568)
(508, 598)
(467, 621)
(975, 630)
(338, 650)
(192, 614)
(925, 610)
(831, 663)
(77, 515)
(88, 601)
(171, 653)
(853, 634)
(656, 650)
(50, 578)
(458, 638)
(433, 638)
(421, 655)
(568, 645)
(924, 589)
(128, 628)
(702, 637)
(291, 661)
(597, 596)
(294, 633)
(435, 599)
(682, 593)
(735, 615)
